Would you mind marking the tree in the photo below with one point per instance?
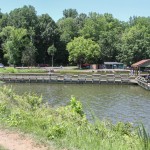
(93, 26)
(109, 39)
(51, 51)
(68, 29)
(24, 17)
(135, 44)
(67, 13)
(46, 34)
(3, 20)
(83, 50)
(15, 43)
(80, 20)
(28, 55)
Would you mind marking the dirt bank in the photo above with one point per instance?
(16, 141)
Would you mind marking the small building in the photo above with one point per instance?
(113, 65)
(143, 65)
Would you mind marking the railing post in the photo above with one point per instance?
(29, 78)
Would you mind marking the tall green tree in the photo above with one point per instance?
(135, 44)
(109, 39)
(29, 55)
(83, 50)
(46, 34)
(4, 21)
(80, 20)
(70, 13)
(51, 51)
(15, 41)
(24, 17)
(93, 26)
(68, 29)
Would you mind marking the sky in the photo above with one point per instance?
(120, 9)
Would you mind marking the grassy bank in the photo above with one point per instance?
(27, 70)
(67, 127)
(65, 70)
(91, 71)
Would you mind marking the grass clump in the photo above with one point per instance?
(67, 126)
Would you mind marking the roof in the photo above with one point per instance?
(112, 63)
(142, 63)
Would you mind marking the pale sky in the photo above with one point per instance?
(120, 9)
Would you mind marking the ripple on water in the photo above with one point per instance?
(114, 102)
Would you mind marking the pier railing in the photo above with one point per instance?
(67, 78)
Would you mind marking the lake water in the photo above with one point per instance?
(127, 103)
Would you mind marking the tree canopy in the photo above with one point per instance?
(83, 50)
(26, 36)
(14, 43)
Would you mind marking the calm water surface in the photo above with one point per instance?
(113, 102)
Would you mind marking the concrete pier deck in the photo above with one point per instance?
(69, 78)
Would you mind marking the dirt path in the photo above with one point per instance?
(16, 141)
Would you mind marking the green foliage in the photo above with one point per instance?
(15, 43)
(51, 50)
(124, 128)
(3, 108)
(33, 100)
(11, 70)
(76, 106)
(83, 50)
(70, 13)
(144, 138)
(68, 29)
(31, 70)
(67, 126)
(46, 34)
(56, 131)
(28, 55)
(24, 17)
(22, 70)
(26, 36)
(135, 44)
(93, 26)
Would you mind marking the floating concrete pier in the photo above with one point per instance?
(68, 78)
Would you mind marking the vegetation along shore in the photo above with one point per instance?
(67, 127)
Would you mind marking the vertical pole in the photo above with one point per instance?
(52, 60)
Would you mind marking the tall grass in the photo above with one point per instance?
(144, 138)
(67, 126)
